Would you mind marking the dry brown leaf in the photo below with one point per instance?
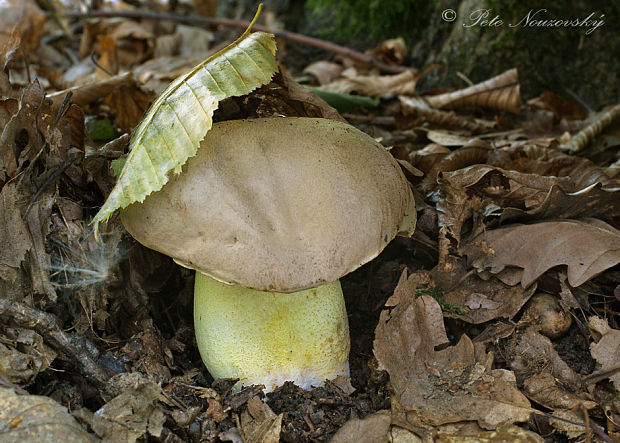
(37, 220)
(412, 107)
(402, 435)
(135, 42)
(544, 389)
(27, 18)
(259, 424)
(132, 413)
(440, 386)
(587, 247)
(108, 56)
(206, 8)
(25, 357)
(8, 108)
(37, 418)
(15, 241)
(560, 107)
(531, 353)
(324, 71)
(446, 161)
(469, 298)
(485, 193)
(487, 300)
(606, 350)
(157, 73)
(92, 89)
(591, 201)
(533, 183)
(371, 429)
(570, 423)
(504, 433)
(424, 159)
(391, 51)
(374, 85)
(188, 42)
(128, 104)
(195, 43)
(501, 92)
(447, 139)
(20, 139)
(8, 50)
(343, 383)
(536, 159)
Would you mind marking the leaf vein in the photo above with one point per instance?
(197, 99)
(193, 146)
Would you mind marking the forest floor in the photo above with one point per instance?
(498, 320)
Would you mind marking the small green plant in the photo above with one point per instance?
(437, 294)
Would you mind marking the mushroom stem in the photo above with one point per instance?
(270, 337)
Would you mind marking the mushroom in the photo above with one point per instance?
(271, 213)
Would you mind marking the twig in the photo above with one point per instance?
(46, 325)
(580, 100)
(292, 36)
(595, 377)
(308, 423)
(586, 419)
(96, 63)
(51, 179)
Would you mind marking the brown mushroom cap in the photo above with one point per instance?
(278, 204)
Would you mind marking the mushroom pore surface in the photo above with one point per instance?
(278, 204)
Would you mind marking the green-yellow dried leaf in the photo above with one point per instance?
(171, 131)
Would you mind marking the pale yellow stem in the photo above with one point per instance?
(268, 337)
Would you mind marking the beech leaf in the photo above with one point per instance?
(178, 120)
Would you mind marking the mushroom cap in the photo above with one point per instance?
(278, 204)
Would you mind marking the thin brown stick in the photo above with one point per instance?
(291, 36)
(586, 418)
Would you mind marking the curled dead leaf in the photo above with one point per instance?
(583, 137)
(375, 85)
(501, 92)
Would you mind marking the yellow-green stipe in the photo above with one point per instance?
(269, 337)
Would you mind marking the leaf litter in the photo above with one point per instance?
(451, 335)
